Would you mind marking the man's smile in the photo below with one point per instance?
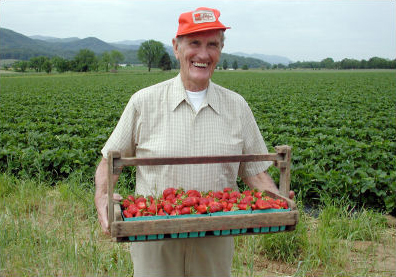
(201, 65)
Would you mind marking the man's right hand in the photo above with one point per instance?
(101, 196)
(101, 203)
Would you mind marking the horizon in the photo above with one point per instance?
(238, 53)
(304, 30)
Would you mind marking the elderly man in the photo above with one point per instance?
(187, 116)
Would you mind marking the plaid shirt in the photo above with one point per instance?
(159, 121)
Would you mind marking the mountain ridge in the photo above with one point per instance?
(14, 45)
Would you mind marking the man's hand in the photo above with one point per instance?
(263, 181)
(101, 196)
(101, 203)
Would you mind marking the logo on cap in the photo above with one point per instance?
(203, 17)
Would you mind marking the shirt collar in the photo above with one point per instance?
(179, 95)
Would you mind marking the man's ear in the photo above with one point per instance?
(175, 48)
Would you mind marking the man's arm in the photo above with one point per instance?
(101, 198)
(263, 181)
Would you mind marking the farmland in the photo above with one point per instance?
(341, 125)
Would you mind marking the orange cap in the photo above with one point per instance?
(202, 19)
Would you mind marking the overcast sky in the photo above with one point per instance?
(300, 30)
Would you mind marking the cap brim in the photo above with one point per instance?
(202, 30)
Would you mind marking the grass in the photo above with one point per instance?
(53, 231)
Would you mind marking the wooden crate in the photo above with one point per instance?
(123, 230)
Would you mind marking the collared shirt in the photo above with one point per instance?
(159, 121)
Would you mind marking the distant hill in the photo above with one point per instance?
(53, 39)
(14, 45)
(250, 62)
(272, 59)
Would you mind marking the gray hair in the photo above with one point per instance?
(222, 38)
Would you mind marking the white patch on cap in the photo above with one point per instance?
(203, 17)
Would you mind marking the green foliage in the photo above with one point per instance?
(50, 231)
(235, 65)
(225, 64)
(165, 62)
(150, 53)
(85, 61)
(341, 126)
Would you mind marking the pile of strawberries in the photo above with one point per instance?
(179, 202)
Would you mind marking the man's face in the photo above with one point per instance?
(198, 54)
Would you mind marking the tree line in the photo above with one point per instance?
(151, 53)
(329, 63)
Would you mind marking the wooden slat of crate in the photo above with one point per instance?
(210, 223)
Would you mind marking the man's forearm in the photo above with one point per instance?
(101, 178)
(261, 181)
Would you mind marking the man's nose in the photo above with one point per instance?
(203, 53)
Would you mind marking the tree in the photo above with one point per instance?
(20, 66)
(235, 65)
(37, 63)
(47, 66)
(85, 60)
(150, 52)
(165, 62)
(116, 58)
(245, 67)
(225, 64)
(106, 60)
(61, 64)
(327, 63)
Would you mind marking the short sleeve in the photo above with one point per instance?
(123, 137)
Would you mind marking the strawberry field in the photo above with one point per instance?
(341, 126)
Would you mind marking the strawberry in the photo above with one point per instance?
(227, 189)
(138, 214)
(126, 203)
(131, 198)
(224, 204)
(243, 206)
(246, 200)
(194, 193)
(188, 202)
(133, 209)
(235, 194)
(127, 213)
(152, 208)
(258, 194)
(226, 196)
(168, 208)
(141, 205)
(185, 210)
(161, 212)
(204, 201)
(247, 192)
(233, 200)
(229, 206)
(262, 204)
(169, 191)
(284, 204)
(202, 209)
(218, 194)
(215, 207)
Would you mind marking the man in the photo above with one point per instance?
(187, 116)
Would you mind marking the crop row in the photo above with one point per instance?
(341, 126)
